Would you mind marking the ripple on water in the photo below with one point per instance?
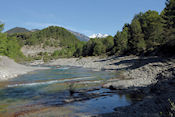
(43, 88)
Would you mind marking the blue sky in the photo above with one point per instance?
(84, 16)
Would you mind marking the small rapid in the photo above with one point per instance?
(51, 82)
(50, 88)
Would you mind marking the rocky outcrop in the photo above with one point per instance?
(35, 50)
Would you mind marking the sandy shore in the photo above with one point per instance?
(136, 71)
(10, 69)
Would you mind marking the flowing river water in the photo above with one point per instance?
(43, 93)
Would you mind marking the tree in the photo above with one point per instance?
(78, 52)
(1, 27)
(137, 39)
(151, 24)
(14, 49)
(3, 41)
(108, 42)
(169, 20)
(121, 41)
(99, 48)
(88, 48)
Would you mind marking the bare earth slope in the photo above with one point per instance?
(10, 69)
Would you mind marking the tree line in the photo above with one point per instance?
(149, 33)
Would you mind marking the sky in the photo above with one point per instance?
(84, 16)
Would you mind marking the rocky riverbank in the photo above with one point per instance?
(10, 69)
(158, 99)
(135, 71)
(150, 77)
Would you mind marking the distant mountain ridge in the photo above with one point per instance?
(17, 30)
(34, 30)
(80, 36)
(53, 40)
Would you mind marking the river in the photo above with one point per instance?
(43, 93)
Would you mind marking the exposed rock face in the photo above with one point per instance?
(35, 50)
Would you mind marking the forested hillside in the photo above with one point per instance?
(63, 42)
(149, 33)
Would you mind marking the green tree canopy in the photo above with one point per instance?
(169, 20)
(151, 23)
(137, 39)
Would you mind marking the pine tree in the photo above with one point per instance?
(3, 41)
(99, 48)
(137, 40)
(151, 23)
(121, 41)
(168, 16)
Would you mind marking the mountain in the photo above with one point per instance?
(49, 40)
(17, 30)
(80, 36)
(99, 35)
(34, 30)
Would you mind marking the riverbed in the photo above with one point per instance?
(47, 92)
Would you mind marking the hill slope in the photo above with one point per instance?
(10, 69)
(49, 40)
(80, 36)
(17, 30)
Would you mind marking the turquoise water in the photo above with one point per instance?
(48, 88)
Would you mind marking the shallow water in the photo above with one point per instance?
(48, 88)
(101, 105)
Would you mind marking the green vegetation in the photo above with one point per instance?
(149, 33)
(95, 47)
(9, 46)
(172, 109)
(52, 36)
(142, 36)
